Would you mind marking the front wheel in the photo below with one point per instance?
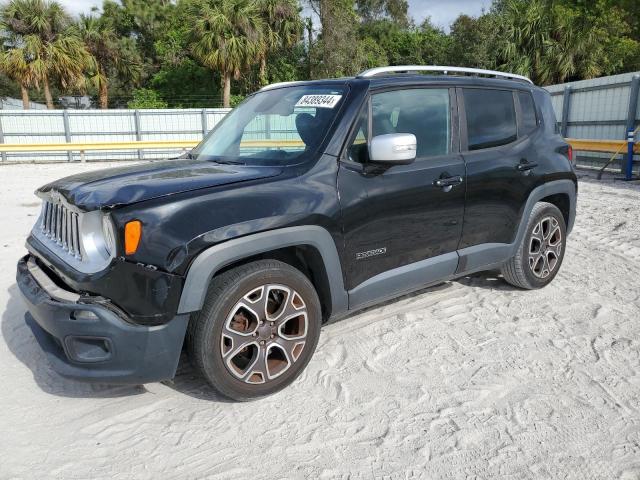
(540, 254)
(257, 331)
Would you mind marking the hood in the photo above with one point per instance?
(129, 184)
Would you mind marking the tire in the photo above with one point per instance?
(257, 330)
(540, 254)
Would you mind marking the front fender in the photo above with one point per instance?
(213, 259)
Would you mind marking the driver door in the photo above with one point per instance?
(401, 230)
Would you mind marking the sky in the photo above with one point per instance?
(442, 12)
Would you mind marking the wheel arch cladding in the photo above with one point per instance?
(305, 258)
(561, 193)
(216, 258)
(541, 194)
(563, 202)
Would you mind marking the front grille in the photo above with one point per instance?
(60, 225)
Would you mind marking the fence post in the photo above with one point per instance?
(631, 125)
(136, 119)
(566, 103)
(4, 154)
(203, 120)
(67, 132)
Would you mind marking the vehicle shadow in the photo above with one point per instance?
(489, 280)
(188, 381)
(21, 342)
(23, 345)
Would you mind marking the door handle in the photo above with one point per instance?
(524, 166)
(448, 182)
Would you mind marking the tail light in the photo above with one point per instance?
(570, 154)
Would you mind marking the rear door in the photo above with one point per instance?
(397, 216)
(501, 162)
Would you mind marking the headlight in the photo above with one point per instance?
(109, 235)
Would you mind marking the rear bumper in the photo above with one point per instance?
(88, 341)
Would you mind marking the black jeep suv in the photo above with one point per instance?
(307, 202)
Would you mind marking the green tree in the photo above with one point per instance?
(548, 42)
(186, 84)
(15, 64)
(616, 24)
(8, 87)
(472, 42)
(146, 98)
(113, 56)
(401, 46)
(52, 48)
(148, 20)
(226, 35)
(395, 10)
(334, 50)
(282, 28)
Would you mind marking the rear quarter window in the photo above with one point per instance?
(548, 113)
(491, 118)
(528, 119)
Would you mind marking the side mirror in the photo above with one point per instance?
(393, 149)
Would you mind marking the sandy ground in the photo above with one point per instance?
(469, 380)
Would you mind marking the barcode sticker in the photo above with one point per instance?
(319, 101)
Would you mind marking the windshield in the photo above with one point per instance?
(273, 127)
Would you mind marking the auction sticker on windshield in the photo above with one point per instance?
(319, 101)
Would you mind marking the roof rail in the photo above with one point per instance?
(279, 84)
(437, 68)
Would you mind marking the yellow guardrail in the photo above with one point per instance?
(137, 145)
(606, 146)
(81, 147)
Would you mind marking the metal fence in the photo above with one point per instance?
(602, 108)
(51, 126)
(605, 108)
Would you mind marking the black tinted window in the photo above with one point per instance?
(548, 114)
(423, 112)
(358, 150)
(491, 118)
(529, 121)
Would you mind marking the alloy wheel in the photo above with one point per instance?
(545, 247)
(264, 333)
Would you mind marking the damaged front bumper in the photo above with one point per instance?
(91, 341)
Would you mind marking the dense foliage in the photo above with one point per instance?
(195, 53)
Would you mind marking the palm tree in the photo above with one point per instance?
(15, 64)
(547, 42)
(111, 55)
(282, 28)
(226, 35)
(54, 50)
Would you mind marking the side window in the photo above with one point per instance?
(491, 117)
(359, 149)
(528, 121)
(425, 112)
(548, 114)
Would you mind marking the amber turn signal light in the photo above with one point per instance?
(132, 234)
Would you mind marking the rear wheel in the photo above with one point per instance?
(541, 251)
(257, 331)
